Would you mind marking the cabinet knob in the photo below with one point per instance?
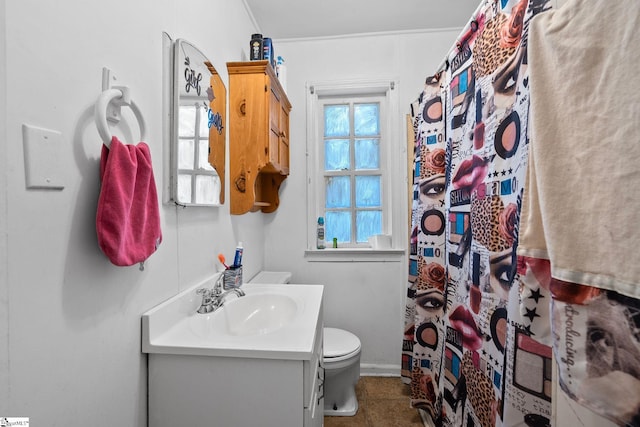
(243, 107)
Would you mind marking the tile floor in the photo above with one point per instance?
(382, 402)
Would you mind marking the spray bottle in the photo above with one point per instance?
(320, 234)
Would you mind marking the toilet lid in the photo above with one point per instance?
(338, 342)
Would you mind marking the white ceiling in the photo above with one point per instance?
(286, 19)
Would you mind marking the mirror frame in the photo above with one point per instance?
(189, 81)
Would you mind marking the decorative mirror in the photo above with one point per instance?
(198, 129)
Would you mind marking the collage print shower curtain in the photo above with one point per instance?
(477, 342)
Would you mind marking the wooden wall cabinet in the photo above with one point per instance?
(258, 137)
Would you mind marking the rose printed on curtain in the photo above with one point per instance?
(483, 358)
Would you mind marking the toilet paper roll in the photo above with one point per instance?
(380, 241)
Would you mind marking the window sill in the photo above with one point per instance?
(354, 255)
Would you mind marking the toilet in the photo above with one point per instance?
(341, 355)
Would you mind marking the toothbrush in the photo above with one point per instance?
(222, 260)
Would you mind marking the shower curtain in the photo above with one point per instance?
(477, 342)
(478, 339)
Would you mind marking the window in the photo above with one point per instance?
(349, 155)
(197, 181)
(351, 169)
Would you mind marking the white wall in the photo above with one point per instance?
(4, 288)
(366, 298)
(73, 322)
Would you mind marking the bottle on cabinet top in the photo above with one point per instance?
(256, 47)
(267, 51)
(281, 72)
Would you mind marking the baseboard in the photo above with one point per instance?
(377, 370)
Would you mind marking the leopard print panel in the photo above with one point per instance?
(417, 390)
(479, 391)
(423, 394)
(485, 222)
(487, 52)
(421, 284)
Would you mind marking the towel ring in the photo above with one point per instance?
(120, 98)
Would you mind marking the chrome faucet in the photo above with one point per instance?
(213, 299)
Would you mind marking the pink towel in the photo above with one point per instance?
(128, 218)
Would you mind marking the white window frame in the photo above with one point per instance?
(392, 155)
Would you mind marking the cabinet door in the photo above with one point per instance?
(274, 126)
(283, 148)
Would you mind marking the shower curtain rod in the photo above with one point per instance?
(444, 64)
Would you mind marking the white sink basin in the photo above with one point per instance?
(255, 314)
(270, 321)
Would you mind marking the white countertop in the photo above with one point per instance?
(174, 327)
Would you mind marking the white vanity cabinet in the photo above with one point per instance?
(260, 388)
(314, 383)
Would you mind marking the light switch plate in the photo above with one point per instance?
(42, 158)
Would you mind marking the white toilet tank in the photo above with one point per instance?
(272, 277)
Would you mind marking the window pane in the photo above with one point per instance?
(203, 153)
(337, 224)
(187, 121)
(367, 153)
(367, 191)
(365, 118)
(336, 154)
(338, 192)
(368, 223)
(185, 154)
(336, 120)
(184, 188)
(204, 121)
(207, 189)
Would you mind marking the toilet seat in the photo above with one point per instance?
(339, 345)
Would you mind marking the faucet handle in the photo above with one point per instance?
(206, 293)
